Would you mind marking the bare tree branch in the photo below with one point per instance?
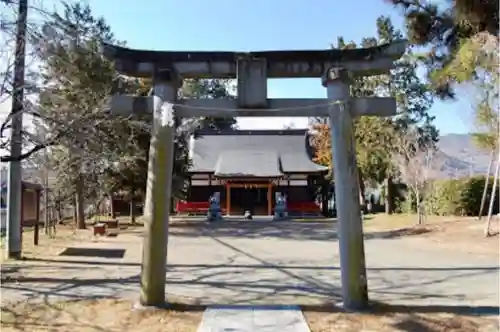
(417, 164)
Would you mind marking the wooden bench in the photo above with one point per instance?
(113, 224)
(99, 229)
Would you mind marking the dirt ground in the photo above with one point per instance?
(461, 233)
(464, 233)
(119, 315)
(398, 322)
(65, 236)
(95, 315)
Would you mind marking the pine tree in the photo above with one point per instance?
(451, 30)
(375, 136)
(210, 89)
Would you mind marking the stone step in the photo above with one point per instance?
(253, 319)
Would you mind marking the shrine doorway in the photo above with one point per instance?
(245, 196)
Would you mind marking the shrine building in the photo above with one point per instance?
(248, 167)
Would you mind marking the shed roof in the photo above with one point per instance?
(257, 153)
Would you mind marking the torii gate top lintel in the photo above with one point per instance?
(280, 64)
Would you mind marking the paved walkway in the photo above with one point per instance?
(253, 319)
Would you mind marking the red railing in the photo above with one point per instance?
(194, 207)
(202, 207)
(303, 207)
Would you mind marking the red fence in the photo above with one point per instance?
(303, 207)
(202, 207)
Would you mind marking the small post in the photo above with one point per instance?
(352, 254)
(159, 191)
(36, 235)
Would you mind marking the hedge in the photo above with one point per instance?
(460, 197)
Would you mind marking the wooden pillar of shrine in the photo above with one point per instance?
(228, 198)
(269, 198)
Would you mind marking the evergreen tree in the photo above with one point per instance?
(375, 136)
(210, 89)
(451, 30)
(77, 83)
(95, 151)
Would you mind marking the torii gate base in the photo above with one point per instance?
(252, 70)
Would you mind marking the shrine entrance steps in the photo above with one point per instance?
(253, 318)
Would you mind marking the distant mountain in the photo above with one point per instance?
(459, 156)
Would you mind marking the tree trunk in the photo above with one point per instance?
(131, 207)
(132, 212)
(492, 198)
(97, 208)
(172, 205)
(334, 198)
(112, 212)
(362, 188)
(80, 209)
(419, 208)
(46, 226)
(59, 212)
(75, 214)
(324, 198)
(486, 183)
(389, 195)
(53, 221)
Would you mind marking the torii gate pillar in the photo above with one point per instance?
(158, 190)
(351, 246)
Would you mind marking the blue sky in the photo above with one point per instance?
(230, 25)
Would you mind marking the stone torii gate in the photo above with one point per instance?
(336, 68)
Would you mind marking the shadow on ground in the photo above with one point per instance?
(315, 231)
(298, 284)
(20, 321)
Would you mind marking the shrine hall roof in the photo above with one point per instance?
(252, 153)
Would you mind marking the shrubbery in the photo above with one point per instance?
(459, 197)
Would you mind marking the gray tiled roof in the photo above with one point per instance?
(263, 153)
(242, 163)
